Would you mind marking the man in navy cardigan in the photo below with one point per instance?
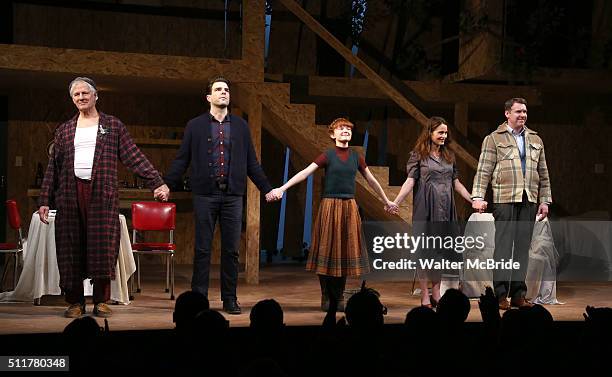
(219, 148)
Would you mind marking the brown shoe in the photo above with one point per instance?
(520, 302)
(102, 310)
(75, 311)
(504, 304)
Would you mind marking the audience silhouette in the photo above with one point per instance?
(430, 342)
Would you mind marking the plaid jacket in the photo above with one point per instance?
(59, 191)
(500, 164)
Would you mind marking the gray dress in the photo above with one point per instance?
(433, 212)
(433, 198)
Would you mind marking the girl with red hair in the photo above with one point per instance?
(338, 248)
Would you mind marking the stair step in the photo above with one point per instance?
(405, 212)
(381, 173)
(294, 124)
(281, 90)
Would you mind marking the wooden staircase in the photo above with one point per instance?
(294, 125)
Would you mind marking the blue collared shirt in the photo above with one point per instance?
(519, 137)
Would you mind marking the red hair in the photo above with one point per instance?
(339, 123)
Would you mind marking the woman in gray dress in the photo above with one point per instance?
(433, 175)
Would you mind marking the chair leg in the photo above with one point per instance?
(4, 269)
(131, 288)
(167, 273)
(15, 275)
(138, 290)
(172, 276)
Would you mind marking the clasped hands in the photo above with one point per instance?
(162, 193)
(479, 205)
(274, 195)
(392, 207)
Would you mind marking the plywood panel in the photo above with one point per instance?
(94, 62)
(53, 26)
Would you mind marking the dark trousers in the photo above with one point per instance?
(513, 230)
(101, 287)
(207, 210)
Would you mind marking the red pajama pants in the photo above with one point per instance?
(101, 287)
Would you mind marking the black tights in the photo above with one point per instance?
(333, 287)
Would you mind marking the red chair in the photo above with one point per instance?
(13, 249)
(155, 216)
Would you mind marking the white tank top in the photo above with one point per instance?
(84, 148)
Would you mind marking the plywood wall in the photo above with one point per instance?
(53, 26)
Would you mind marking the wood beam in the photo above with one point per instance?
(432, 91)
(368, 72)
(254, 112)
(62, 61)
(253, 38)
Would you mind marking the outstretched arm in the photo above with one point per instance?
(405, 190)
(373, 182)
(460, 188)
(299, 177)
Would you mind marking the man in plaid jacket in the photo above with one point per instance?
(512, 159)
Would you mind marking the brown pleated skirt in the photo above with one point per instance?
(338, 247)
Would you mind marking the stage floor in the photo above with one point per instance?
(295, 289)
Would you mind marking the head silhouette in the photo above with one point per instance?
(453, 307)
(188, 305)
(267, 315)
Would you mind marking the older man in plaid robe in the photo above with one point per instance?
(81, 183)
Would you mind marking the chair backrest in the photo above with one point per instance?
(153, 216)
(12, 212)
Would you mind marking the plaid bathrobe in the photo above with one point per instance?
(59, 192)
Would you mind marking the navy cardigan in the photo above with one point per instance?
(196, 149)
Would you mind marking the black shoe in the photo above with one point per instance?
(231, 307)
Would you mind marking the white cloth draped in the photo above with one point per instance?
(40, 274)
(543, 259)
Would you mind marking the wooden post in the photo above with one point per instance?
(254, 38)
(253, 46)
(253, 197)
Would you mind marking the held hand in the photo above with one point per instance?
(391, 207)
(542, 212)
(479, 205)
(162, 193)
(274, 195)
(278, 193)
(43, 213)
